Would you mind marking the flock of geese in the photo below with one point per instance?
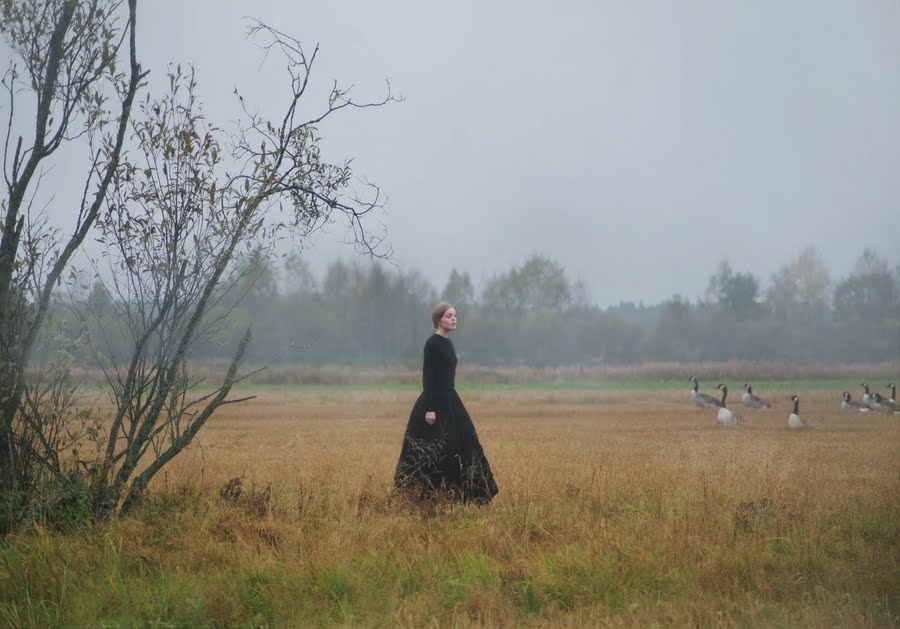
(727, 417)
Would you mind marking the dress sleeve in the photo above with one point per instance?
(429, 376)
(432, 383)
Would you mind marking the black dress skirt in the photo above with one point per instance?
(444, 458)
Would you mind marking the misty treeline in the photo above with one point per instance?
(535, 314)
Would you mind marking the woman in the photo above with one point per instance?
(441, 453)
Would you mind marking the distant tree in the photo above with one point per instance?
(735, 293)
(97, 316)
(800, 289)
(375, 306)
(811, 278)
(459, 290)
(249, 295)
(799, 301)
(676, 336)
(298, 277)
(781, 296)
(641, 315)
(869, 294)
(490, 338)
(867, 310)
(600, 336)
(550, 339)
(253, 283)
(539, 284)
(412, 298)
(337, 288)
(299, 329)
(337, 294)
(580, 294)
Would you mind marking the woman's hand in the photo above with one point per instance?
(430, 418)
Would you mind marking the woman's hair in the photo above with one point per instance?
(438, 312)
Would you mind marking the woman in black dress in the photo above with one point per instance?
(441, 454)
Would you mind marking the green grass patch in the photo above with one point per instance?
(67, 580)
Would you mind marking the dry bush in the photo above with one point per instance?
(256, 503)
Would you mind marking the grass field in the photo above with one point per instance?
(617, 507)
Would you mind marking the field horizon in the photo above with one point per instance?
(671, 374)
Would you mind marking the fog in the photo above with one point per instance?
(636, 144)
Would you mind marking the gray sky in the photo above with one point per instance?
(636, 143)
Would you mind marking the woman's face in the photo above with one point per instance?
(448, 321)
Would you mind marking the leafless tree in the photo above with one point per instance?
(188, 200)
(63, 72)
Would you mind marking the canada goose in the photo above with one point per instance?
(753, 401)
(866, 398)
(893, 389)
(794, 420)
(702, 400)
(885, 406)
(849, 405)
(725, 416)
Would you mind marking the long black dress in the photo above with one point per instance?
(444, 458)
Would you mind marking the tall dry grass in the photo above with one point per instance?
(615, 509)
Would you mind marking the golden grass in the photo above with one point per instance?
(613, 511)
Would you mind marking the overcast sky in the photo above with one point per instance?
(636, 143)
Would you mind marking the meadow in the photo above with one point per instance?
(618, 506)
